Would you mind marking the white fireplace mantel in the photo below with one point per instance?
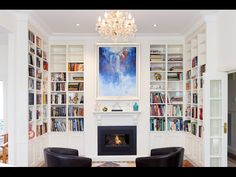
(117, 117)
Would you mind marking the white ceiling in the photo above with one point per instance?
(168, 21)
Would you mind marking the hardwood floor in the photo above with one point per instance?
(186, 163)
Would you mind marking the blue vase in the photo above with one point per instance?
(135, 106)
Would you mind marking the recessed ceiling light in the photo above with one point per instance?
(77, 24)
(154, 25)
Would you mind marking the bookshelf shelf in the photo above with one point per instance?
(165, 113)
(67, 88)
(38, 92)
(195, 67)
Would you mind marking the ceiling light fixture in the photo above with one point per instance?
(77, 24)
(154, 25)
(116, 24)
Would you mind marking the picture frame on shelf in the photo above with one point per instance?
(118, 70)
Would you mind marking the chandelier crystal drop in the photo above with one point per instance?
(116, 24)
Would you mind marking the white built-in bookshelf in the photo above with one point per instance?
(37, 85)
(67, 88)
(166, 87)
(195, 64)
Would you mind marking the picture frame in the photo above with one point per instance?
(117, 71)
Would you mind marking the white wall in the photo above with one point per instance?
(227, 37)
(3, 77)
(143, 135)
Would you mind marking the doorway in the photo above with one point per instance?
(232, 119)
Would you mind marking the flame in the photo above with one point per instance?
(117, 140)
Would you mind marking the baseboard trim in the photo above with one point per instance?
(191, 161)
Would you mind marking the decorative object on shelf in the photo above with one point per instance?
(104, 109)
(117, 67)
(31, 132)
(157, 76)
(116, 107)
(135, 106)
(116, 25)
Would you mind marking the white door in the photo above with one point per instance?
(215, 119)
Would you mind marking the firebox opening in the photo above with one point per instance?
(116, 140)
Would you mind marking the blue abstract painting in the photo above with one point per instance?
(117, 71)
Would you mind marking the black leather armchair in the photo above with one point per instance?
(65, 157)
(162, 157)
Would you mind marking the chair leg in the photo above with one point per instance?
(4, 155)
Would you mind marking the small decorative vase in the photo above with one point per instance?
(104, 109)
(135, 106)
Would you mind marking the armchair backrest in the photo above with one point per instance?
(65, 157)
(162, 157)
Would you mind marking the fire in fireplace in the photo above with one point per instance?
(117, 140)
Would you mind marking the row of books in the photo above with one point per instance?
(31, 98)
(175, 76)
(157, 97)
(30, 114)
(157, 51)
(174, 110)
(58, 111)
(38, 114)
(176, 58)
(175, 124)
(157, 110)
(38, 74)
(194, 112)
(74, 111)
(45, 98)
(41, 129)
(75, 86)
(202, 69)
(39, 52)
(194, 62)
(45, 66)
(30, 59)
(195, 84)
(60, 76)
(58, 125)
(188, 74)
(188, 111)
(76, 124)
(75, 67)
(44, 55)
(31, 83)
(38, 85)
(194, 128)
(38, 99)
(58, 98)
(195, 99)
(55, 86)
(187, 126)
(174, 99)
(38, 62)
(31, 71)
(157, 67)
(188, 85)
(157, 124)
(31, 36)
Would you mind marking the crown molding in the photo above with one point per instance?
(37, 23)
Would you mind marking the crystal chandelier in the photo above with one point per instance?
(116, 24)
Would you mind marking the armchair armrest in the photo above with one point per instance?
(74, 161)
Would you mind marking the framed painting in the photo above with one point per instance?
(117, 71)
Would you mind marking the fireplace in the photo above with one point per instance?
(116, 140)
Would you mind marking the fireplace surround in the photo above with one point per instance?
(117, 140)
